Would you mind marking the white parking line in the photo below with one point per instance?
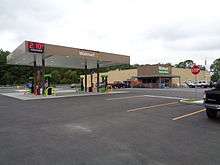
(189, 114)
(128, 97)
(153, 106)
(139, 96)
(164, 97)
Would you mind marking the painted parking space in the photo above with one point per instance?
(185, 114)
(146, 102)
(188, 115)
(94, 126)
(151, 107)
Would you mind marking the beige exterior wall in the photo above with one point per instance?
(115, 75)
(186, 75)
(124, 75)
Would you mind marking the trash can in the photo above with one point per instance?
(90, 89)
(49, 91)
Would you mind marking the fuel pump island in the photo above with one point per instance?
(40, 55)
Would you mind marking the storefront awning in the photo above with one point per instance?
(158, 76)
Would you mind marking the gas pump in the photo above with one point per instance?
(105, 80)
(48, 90)
(30, 85)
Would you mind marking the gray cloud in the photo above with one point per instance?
(187, 37)
(167, 33)
(143, 29)
(27, 18)
(195, 44)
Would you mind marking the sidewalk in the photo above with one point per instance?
(22, 96)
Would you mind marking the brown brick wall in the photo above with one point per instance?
(151, 70)
(147, 70)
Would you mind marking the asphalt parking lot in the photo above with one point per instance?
(144, 126)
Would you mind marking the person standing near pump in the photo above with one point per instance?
(46, 84)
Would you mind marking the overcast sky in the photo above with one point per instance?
(150, 31)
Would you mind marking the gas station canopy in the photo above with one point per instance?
(62, 56)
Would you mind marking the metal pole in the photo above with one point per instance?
(35, 73)
(195, 86)
(159, 82)
(43, 73)
(85, 75)
(91, 79)
(97, 71)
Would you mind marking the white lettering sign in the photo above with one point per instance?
(91, 54)
(163, 70)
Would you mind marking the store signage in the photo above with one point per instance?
(36, 47)
(163, 70)
(84, 53)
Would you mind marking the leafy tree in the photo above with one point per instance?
(188, 64)
(55, 77)
(185, 64)
(3, 56)
(13, 74)
(215, 68)
(7, 78)
(70, 77)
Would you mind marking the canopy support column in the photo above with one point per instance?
(97, 71)
(85, 75)
(43, 73)
(91, 80)
(35, 75)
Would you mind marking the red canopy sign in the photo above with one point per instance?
(35, 47)
(195, 69)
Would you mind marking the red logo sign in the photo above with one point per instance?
(195, 69)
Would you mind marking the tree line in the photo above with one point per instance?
(18, 75)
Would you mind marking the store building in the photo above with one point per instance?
(153, 76)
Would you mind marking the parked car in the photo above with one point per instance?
(203, 84)
(199, 84)
(212, 101)
(118, 84)
(212, 84)
(75, 85)
(190, 84)
(127, 84)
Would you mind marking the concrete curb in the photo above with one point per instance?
(22, 96)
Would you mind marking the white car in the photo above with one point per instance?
(190, 84)
(203, 84)
(200, 84)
